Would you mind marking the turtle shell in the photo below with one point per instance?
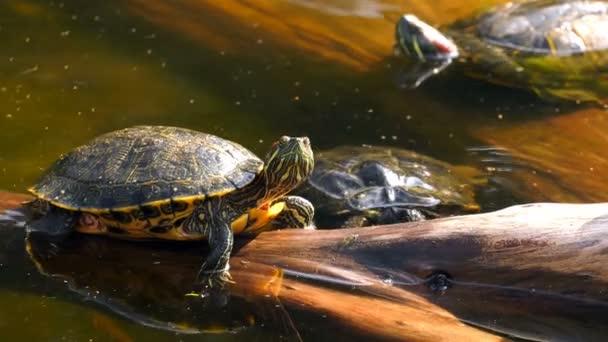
(146, 172)
(552, 27)
(352, 180)
(556, 48)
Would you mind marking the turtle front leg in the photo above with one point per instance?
(297, 213)
(215, 222)
(383, 216)
(214, 271)
(356, 221)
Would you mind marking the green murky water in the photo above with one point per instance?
(70, 71)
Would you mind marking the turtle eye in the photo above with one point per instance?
(306, 141)
(284, 139)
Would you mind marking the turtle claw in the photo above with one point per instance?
(214, 279)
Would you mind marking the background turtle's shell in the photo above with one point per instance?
(146, 164)
(353, 179)
(553, 27)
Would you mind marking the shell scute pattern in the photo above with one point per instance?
(145, 164)
(555, 27)
(379, 183)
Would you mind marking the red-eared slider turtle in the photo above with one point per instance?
(354, 186)
(558, 48)
(174, 183)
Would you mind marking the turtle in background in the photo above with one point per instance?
(357, 186)
(156, 182)
(557, 48)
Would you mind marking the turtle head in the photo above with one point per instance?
(288, 163)
(422, 42)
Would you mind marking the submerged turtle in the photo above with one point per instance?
(174, 183)
(356, 186)
(557, 48)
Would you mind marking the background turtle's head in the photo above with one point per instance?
(422, 42)
(288, 163)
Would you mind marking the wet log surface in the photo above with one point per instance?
(535, 271)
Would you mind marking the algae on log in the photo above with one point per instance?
(535, 271)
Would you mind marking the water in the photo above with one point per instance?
(251, 73)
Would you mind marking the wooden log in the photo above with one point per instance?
(10, 200)
(535, 271)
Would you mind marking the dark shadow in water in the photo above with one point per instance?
(150, 283)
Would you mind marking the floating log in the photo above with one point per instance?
(10, 200)
(536, 271)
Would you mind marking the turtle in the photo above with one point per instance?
(357, 186)
(159, 182)
(556, 48)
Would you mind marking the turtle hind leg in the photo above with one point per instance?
(55, 222)
(398, 215)
(48, 230)
(298, 213)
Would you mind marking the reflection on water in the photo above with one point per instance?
(70, 70)
(357, 8)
